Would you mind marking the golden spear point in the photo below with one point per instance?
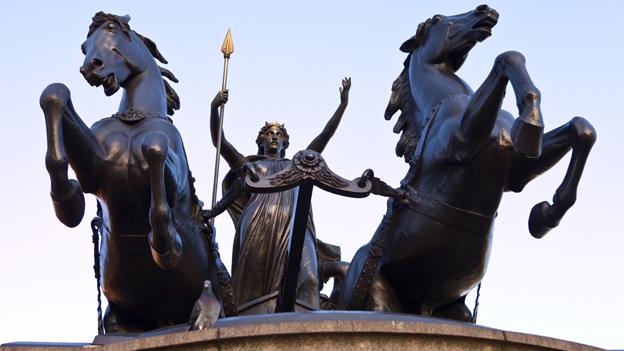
(228, 45)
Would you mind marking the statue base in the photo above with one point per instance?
(321, 331)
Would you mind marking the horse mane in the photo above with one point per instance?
(401, 99)
(410, 123)
(173, 100)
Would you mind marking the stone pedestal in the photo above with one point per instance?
(322, 331)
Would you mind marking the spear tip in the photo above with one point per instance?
(228, 45)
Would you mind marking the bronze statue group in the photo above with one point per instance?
(430, 249)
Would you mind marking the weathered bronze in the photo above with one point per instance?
(306, 170)
(431, 248)
(433, 244)
(156, 249)
(263, 221)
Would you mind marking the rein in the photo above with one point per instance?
(96, 225)
(475, 310)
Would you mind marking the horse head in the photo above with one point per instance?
(448, 39)
(443, 42)
(114, 54)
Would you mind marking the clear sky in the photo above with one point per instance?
(289, 60)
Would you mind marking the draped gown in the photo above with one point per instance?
(261, 246)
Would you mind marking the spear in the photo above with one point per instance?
(227, 49)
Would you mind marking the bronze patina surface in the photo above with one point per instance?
(430, 250)
(464, 152)
(263, 220)
(156, 250)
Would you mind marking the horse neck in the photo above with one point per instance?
(145, 91)
(431, 83)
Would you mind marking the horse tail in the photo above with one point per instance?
(401, 99)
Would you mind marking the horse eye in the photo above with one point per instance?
(110, 27)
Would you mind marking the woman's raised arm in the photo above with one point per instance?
(319, 143)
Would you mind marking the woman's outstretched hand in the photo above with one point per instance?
(344, 90)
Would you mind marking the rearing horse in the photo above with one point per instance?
(433, 245)
(155, 253)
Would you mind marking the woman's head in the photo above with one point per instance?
(272, 139)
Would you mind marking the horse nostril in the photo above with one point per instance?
(97, 63)
(482, 8)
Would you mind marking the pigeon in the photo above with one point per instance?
(206, 310)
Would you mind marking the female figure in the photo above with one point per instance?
(262, 221)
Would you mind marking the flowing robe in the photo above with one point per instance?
(261, 247)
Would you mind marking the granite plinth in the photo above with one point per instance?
(321, 331)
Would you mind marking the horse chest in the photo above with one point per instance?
(116, 146)
(122, 147)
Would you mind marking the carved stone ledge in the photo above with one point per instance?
(327, 331)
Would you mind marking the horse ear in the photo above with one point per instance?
(409, 45)
(125, 18)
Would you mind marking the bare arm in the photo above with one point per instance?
(234, 158)
(320, 142)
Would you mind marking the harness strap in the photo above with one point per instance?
(377, 246)
(464, 220)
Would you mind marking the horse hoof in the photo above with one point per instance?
(538, 220)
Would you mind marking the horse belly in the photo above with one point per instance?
(136, 285)
(430, 264)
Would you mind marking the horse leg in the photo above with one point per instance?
(382, 297)
(482, 111)
(115, 321)
(338, 271)
(165, 242)
(578, 135)
(63, 126)
(456, 310)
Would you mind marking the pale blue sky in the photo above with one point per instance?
(288, 63)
